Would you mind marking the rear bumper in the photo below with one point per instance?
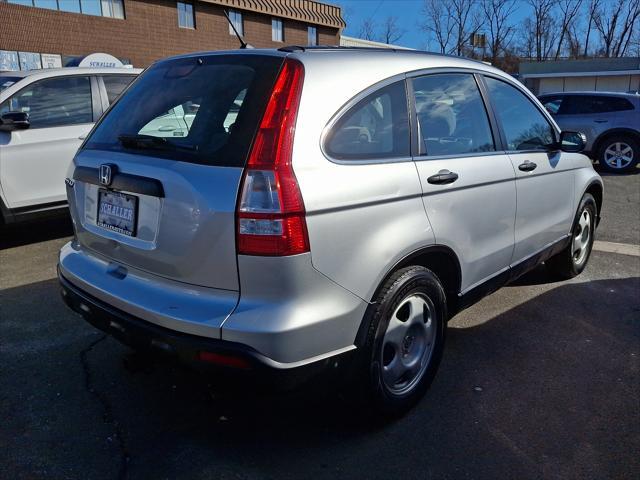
(242, 361)
(289, 314)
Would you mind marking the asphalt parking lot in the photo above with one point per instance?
(539, 380)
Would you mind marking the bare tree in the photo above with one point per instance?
(616, 26)
(391, 32)
(634, 44)
(438, 23)
(465, 21)
(630, 24)
(367, 29)
(542, 27)
(594, 7)
(573, 41)
(569, 9)
(497, 19)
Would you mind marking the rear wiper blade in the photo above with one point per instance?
(152, 142)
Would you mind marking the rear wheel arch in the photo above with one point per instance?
(595, 189)
(442, 261)
(5, 214)
(602, 138)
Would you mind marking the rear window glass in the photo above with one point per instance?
(201, 110)
(585, 104)
(6, 82)
(376, 127)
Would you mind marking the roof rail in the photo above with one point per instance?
(301, 48)
(335, 48)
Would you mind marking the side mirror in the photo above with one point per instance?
(14, 121)
(572, 141)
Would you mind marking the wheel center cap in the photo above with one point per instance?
(407, 342)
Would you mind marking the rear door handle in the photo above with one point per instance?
(527, 166)
(443, 177)
(601, 121)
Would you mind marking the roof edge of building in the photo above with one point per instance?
(309, 11)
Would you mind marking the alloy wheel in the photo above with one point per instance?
(618, 155)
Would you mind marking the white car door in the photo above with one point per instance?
(34, 161)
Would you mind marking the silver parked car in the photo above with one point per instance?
(611, 122)
(323, 207)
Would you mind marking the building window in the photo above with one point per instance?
(112, 8)
(312, 36)
(26, 3)
(50, 4)
(69, 5)
(99, 8)
(186, 19)
(277, 30)
(91, 7)
(236, 20)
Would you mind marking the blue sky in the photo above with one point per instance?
(408, 12)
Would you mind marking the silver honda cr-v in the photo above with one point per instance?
(273, 210)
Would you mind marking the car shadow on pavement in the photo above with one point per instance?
(15, 235)
(547, 389)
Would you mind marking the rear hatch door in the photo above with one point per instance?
(155, 184)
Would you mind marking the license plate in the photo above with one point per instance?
(117, 211)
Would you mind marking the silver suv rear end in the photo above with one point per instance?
(284, 208)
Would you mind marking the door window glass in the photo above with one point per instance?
(54, 102)
(376, 127)
(525, 127)
(452, 118)
(115, 84)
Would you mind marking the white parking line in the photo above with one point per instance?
(621, 248)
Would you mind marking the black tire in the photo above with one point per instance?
(611, 141)
(570, 262)
(403, 285)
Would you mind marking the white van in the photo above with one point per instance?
(44, 114)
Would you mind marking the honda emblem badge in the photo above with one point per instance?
(105, 175)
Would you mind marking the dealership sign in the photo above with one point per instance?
(100, 60)
(51, 60)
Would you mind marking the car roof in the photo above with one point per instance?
(599, 93)
(56, 72)
(414, 59)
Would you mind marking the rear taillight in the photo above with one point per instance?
(270, 215)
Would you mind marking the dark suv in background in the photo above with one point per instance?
(611, 122)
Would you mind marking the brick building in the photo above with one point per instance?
(55, 32)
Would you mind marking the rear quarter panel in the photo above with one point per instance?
(362, 218)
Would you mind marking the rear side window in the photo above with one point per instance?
(452, 118)
(586, 104)
(525, 127)
(115, 84)
(54, 102)
(376, 127)
(201, 110)
(552, 104)
(6, 82)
